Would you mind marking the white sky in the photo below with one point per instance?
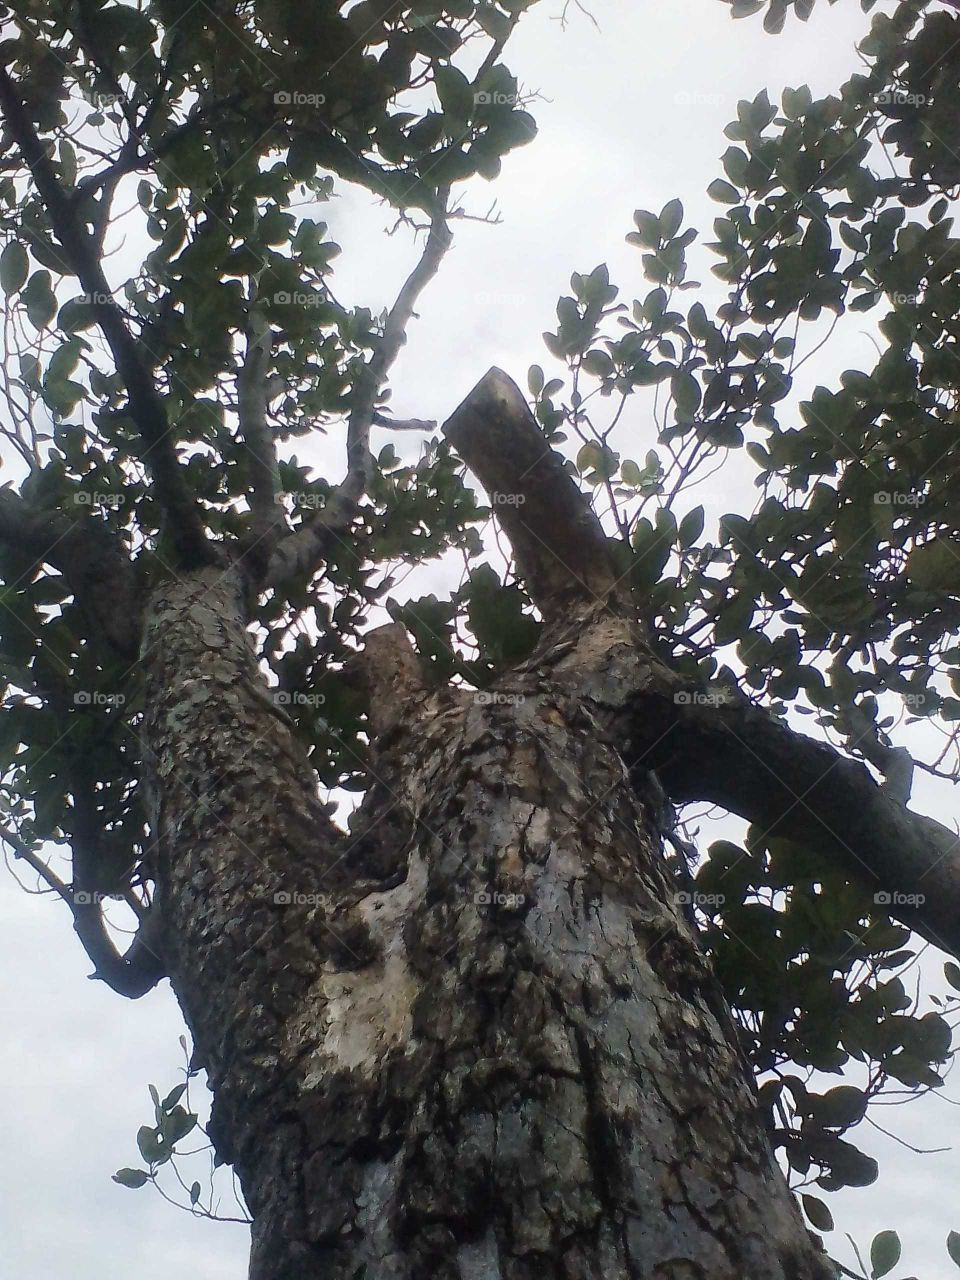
(632, 116)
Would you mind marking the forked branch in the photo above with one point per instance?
(705, 745)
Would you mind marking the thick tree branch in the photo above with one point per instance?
(92, 560)
(722, 749)
(303, 551)
(146, 406)
(132, 974)
(704, 744)
(559, 543)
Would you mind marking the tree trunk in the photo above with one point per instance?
(473, 1040)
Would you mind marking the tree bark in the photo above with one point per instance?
(473, 1039)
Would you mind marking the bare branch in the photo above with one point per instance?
(268, 521)
(146, 407)
(132, 974)
(304, 550)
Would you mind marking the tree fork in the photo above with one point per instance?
(506, 1057)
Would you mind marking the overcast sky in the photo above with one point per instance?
(632, 115)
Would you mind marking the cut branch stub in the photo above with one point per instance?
(389, 669)
(558, 541)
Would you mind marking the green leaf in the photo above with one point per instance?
(935, 565)
(884, 1253)
(817, 1212)
(686, 394)
(671, 216)
(39, 299)
(455, 92)
(14, 267)
(953, 1247)
(723, 192)
(691, 527)
(648, 234)
(839, 1107)
(132, 1178)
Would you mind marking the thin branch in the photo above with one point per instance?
(146, 406)
(268, 518)
(304, 550)
(132, 974)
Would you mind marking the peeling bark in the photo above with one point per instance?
(475, 1039)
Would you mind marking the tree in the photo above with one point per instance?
(502, 1021)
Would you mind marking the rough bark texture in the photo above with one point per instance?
(474, 1040)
